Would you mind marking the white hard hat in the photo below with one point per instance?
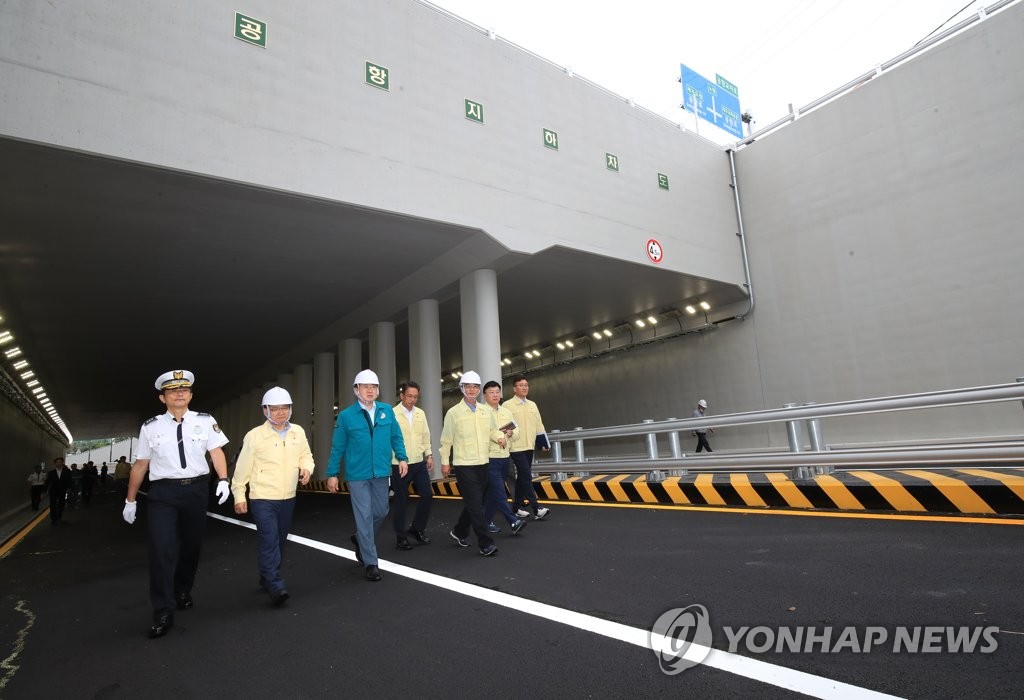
(367, 376)
(702, 403)
(277, 397)
(470, 377)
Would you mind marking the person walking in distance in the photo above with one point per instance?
(275, 457)
(58, 483)
(37, 485)
(702, 433)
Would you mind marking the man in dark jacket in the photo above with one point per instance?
(58, 481)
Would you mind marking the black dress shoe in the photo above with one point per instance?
(420, 536)
(355, 543)
(184, 601)
(278, 599)
(403, 544)
(372, 573)
(160, 626)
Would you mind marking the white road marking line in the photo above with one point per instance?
(790, 679)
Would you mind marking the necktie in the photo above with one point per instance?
(181, 445)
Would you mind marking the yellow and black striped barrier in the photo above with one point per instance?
(979, 491)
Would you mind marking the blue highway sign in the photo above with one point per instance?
(716, 102)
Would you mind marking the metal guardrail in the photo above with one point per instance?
(819, 457)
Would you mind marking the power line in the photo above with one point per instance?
(947, 21)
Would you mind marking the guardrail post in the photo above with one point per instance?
(793, 432)
(795, 444)
(814, 432)
(579, 447)
(556, 449)
(673, 444)
(652, 442)
(1021, 379)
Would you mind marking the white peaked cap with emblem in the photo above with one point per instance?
(367, 376)
(702, 403)
(277, 397)
(470, 377)
(174, 379)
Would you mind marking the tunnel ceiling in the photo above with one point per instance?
(113, 272)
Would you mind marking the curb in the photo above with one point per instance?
(974, 491)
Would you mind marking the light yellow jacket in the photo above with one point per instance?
(502, 416)
(416, 436)
(270, 465)
(527, 417)
(469, 433)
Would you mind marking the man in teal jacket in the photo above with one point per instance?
(365, 435)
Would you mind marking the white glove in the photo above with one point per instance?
(129, 512)
(222, 492)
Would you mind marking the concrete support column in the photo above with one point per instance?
(350, 353)
(230, 425)
(250, 416)
(481, 335)
(382, 358)
(324, 387)
(286, 382)
(425, 367)
(302, 397)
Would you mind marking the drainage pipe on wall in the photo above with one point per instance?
(742, 236)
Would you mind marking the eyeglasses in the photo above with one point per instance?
(278, 409)
(179, 390)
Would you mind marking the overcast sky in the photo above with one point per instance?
(776, 51)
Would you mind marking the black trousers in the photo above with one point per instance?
(58, 496)
(473, 485)
(419, 476)
(702, 442)
(526, 496)
(37, 495)
(177, 522)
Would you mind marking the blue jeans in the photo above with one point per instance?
(273, 520)
(370, 507)
(497, 498)
(420, 479)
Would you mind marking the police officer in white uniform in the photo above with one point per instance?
(173, 447)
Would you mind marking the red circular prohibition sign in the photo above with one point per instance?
(654, 250)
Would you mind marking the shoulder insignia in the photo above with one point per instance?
(216, 428)
(151, 420)
(203, 414)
